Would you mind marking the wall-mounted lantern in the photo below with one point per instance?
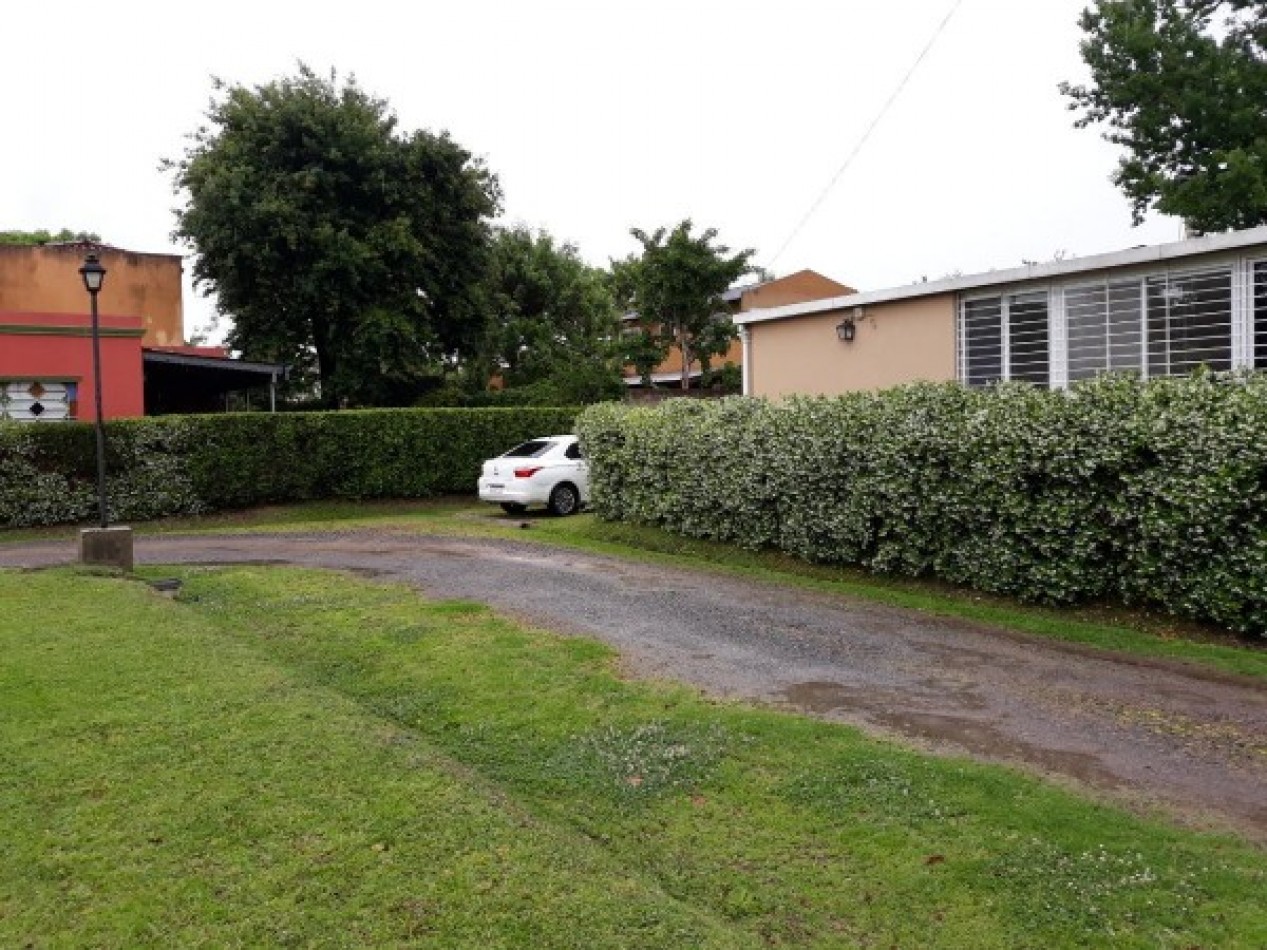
(845, 330)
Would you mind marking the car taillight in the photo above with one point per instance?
(528, 471)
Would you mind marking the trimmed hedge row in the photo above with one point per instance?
(193, 464)
(1146, 493)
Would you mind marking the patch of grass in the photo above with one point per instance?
(282, 756)
(643, 761)
(166, 784)
(302, 516)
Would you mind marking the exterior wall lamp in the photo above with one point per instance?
(845, 330)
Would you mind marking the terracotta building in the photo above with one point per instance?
(46, 370)
(45, 329)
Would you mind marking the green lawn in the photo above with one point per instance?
(285, 757)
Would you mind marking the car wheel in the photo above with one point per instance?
(564, 500)
(513, 508)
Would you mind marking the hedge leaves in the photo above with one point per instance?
(174, 465)
(1149, 493)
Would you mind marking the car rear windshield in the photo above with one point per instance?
(529, 450)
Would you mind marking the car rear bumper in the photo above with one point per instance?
(512, 491)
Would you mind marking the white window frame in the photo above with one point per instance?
(1237, 301)
(1057, 339)
(1242, 327)
(67, 382)
(1004, 296)
(1250, 338)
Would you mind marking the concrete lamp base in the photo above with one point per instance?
(106, 547)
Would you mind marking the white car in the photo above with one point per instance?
(548, 471)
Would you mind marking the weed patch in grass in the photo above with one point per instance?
(641, 762)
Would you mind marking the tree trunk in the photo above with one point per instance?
(326, 365)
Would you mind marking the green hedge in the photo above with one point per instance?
(1146, 493)
(192, 464)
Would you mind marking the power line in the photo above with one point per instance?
(941, 28)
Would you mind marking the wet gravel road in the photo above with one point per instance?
(1151, 733)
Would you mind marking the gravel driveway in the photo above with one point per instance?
(1151, 733)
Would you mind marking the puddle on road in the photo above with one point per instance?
(819, 697)
(974, 735)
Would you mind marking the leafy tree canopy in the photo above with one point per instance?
(333, 240)
(675, 286)
(552, 316)
(1181, 86)
(65, 235)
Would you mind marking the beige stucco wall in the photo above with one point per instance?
(45, 279)
(895, 343)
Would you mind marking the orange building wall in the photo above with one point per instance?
(673, 362)
(900, 342)
(794, 288)
(45, 279)
(59, 347)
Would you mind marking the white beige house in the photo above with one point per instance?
(1158, 311)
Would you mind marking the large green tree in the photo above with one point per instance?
(551, 316)
(1181, 86)
(334, 240)
(675, 287)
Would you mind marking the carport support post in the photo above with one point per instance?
(272, 392)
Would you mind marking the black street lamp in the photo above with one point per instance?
(94, 276)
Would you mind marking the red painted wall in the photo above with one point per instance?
(64, 352)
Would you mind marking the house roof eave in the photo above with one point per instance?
(1048, 270)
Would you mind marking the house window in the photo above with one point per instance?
(982, 335)
(1027, 355)
(1105, 328)
(1189, 321)
(1158, 324)
(1005, 337)
(36, 400)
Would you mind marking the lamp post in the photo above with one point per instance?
(94, 276)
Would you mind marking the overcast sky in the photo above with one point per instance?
(601, 116)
